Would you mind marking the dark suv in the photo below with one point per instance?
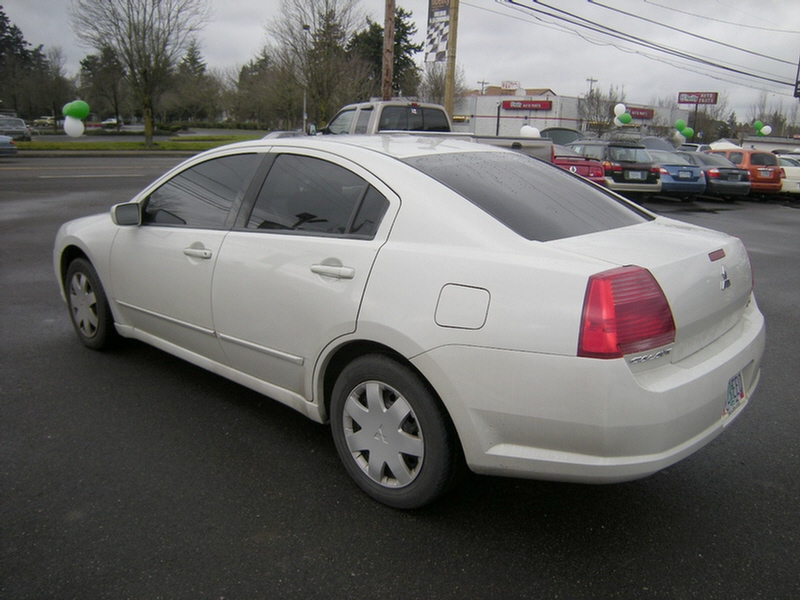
(628, 167)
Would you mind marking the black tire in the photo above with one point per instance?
(88, 306)
(408, 454)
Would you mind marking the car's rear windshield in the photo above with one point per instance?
(535, 199)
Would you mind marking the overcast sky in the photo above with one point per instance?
(498, 41)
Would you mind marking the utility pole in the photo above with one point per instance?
(483, 85)
(388, 51)
(591, 85)
(450, 78)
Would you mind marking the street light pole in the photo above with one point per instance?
(306, 29)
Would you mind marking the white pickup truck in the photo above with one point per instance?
(389, 115)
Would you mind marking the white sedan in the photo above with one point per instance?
(440, 302)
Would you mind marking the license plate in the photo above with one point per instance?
(764, 173)
(735, 395)
(684, 174)
(635, 174)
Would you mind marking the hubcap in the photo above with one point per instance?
(83, 302)
(383, 434)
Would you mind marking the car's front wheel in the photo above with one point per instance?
(392, 434)
(88, 306)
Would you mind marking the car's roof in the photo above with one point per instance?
(396, 145)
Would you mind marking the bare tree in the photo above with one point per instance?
(311, 38)
(149, 37)
(432, 86)
(596, 109)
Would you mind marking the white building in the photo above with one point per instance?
(502, 111)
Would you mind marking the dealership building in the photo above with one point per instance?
(504, 110)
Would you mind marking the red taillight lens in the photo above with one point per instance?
(624, 311)
(595, 171)
(609, 167)
(713, 173)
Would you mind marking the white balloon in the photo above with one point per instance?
(617, 122)
(620, 109)
(73, 127)
(766, 130)
(528, 131)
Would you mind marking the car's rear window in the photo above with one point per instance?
(536, 200)
(763, 159)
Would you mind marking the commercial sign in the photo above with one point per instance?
(641, 113)
(697, 97)
(510, 85)
(527, 104)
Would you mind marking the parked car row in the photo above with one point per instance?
(692, 170)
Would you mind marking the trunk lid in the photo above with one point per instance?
(705, 275)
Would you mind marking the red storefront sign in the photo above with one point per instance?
(527, 104)
(642, 113)
(697, 97)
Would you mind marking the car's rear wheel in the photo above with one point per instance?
(88, 306)
(392, 434)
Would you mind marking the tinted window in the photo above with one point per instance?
(362, 123)
(536, 200)
(308, 194)
(435, 120)
(763, 159)
(402, 118)
(628, 154)
(736, 157)
(713, 160)
(202, 196)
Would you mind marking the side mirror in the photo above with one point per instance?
(127, 214)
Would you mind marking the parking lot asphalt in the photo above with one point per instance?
(132, 474)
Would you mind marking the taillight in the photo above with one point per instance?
(614, 167)
(663, 171)
(713, 173)
(595, 171)
(624, 311)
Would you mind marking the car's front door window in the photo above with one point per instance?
(202, 196)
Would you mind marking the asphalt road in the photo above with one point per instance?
(135, 475)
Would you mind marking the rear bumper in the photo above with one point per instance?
(641, 188)
(564, 418)
(728, 188)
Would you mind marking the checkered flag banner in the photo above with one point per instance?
(438, 31)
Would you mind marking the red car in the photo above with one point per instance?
(568, 159)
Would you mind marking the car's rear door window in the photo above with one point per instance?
(536, 200)
(307, 194)
(202, 195)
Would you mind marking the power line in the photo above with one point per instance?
(684, 12)
(689, 33)
(584, 23)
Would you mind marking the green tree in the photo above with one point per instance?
(196, 92)
(103, 83)
(148, 36)
(368, 45)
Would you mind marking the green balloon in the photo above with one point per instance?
(687, 132)
(758, 125)
(680, 124)
(80, 109)
(77, 109)
(626, 118)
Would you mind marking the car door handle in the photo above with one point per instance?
(197, 252)
(334, 271)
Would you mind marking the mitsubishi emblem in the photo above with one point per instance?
(726, 283)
